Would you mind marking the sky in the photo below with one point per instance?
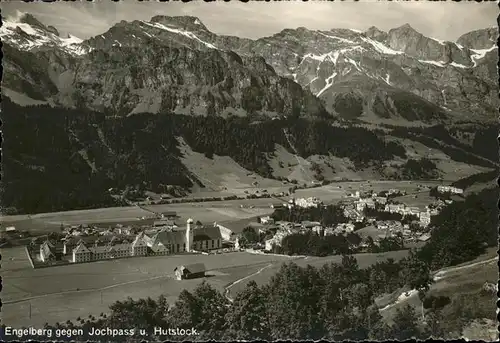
(445, 20)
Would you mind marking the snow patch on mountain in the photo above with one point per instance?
(180, 32)
(387, 77)
(320, 58)
(8, 25)
(458, 65)
(314, 79)
(481, 53)
(329, 83)
(438, 40)
(436, 63)
(381, 47)
(354, 63)
(71, 40)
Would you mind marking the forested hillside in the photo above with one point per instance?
(482, 151)
(72, 157)
(463, 230)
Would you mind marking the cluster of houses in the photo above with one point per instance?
(354, 208)
(163, 238)
(282, 229)
(450, 189)
(85, 230)
(307, 202)
(341, 228)
(300, 202)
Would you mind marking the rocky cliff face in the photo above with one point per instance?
(479, 39)
(186, 81)
(176, 64)
(123, 72)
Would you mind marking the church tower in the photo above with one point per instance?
(189, 235)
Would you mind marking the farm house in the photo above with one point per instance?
(190, 271)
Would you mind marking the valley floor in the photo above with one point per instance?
(208, 212)
(57, 294)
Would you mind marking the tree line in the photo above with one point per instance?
(314, 244)
(422, 169)
(484, 177)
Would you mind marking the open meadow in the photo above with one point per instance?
(222, 173)
(57, 294)
(418, 199)
(79, 290)
(46, 222)
(208, 212)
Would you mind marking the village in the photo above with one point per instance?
(356, 208)
(372, 216)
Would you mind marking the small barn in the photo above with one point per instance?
(190, 271)
(10, 229)
(169, 215)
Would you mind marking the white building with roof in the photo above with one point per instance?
(425, 218)
(344, 228)
(276, 240)
(81, 253)
(450, 189)
(307, 202)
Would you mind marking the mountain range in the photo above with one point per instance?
(176, 64)
(142, 71)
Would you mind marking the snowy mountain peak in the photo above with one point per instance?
(27, 33)
(29, 19)
(182, 22)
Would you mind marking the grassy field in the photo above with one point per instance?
(285, 164)
(67, 292)
(221, 173)
(371, 231)
(418, 199)
(46, 222)
(207, 212)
